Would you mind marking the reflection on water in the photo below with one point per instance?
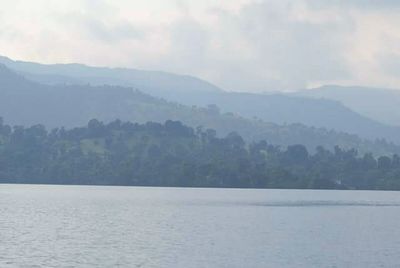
(81, 226)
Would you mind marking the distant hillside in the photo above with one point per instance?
(282, 109)
(23, 102)
(276, 108)
(155, 82)
(379, 104)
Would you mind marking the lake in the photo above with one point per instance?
(87, 226)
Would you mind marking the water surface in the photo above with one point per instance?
(84, 226)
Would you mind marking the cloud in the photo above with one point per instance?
(242, 45)
(296, 49)
(265, 45)
(98, 30)
(357, 4)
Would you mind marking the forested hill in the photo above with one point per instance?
(172, 154)
(23, 102)
(274, 108)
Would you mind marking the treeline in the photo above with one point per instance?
(171, 154)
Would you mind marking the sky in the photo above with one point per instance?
(239, 45)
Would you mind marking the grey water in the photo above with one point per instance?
(87, 226)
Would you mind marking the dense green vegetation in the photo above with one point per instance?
(171, 154)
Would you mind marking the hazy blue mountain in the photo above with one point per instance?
(23, 102)
(379, 104)
(282, 109)
(155, 82)
(275, 108)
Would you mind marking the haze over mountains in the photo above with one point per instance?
(24, 102)
(319, 108)
(379, 104)
(157, 83)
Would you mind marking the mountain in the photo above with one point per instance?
(274, 108)
(282, 109)
(376, 103)
(24, 102)
(153, 82)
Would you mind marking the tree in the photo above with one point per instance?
(384, 162)
(95, 128)
(296, 154)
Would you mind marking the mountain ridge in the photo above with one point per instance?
(73, 106)
(276, 108)
(172, 81)
(377, 103)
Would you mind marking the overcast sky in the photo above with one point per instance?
(241, 45)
